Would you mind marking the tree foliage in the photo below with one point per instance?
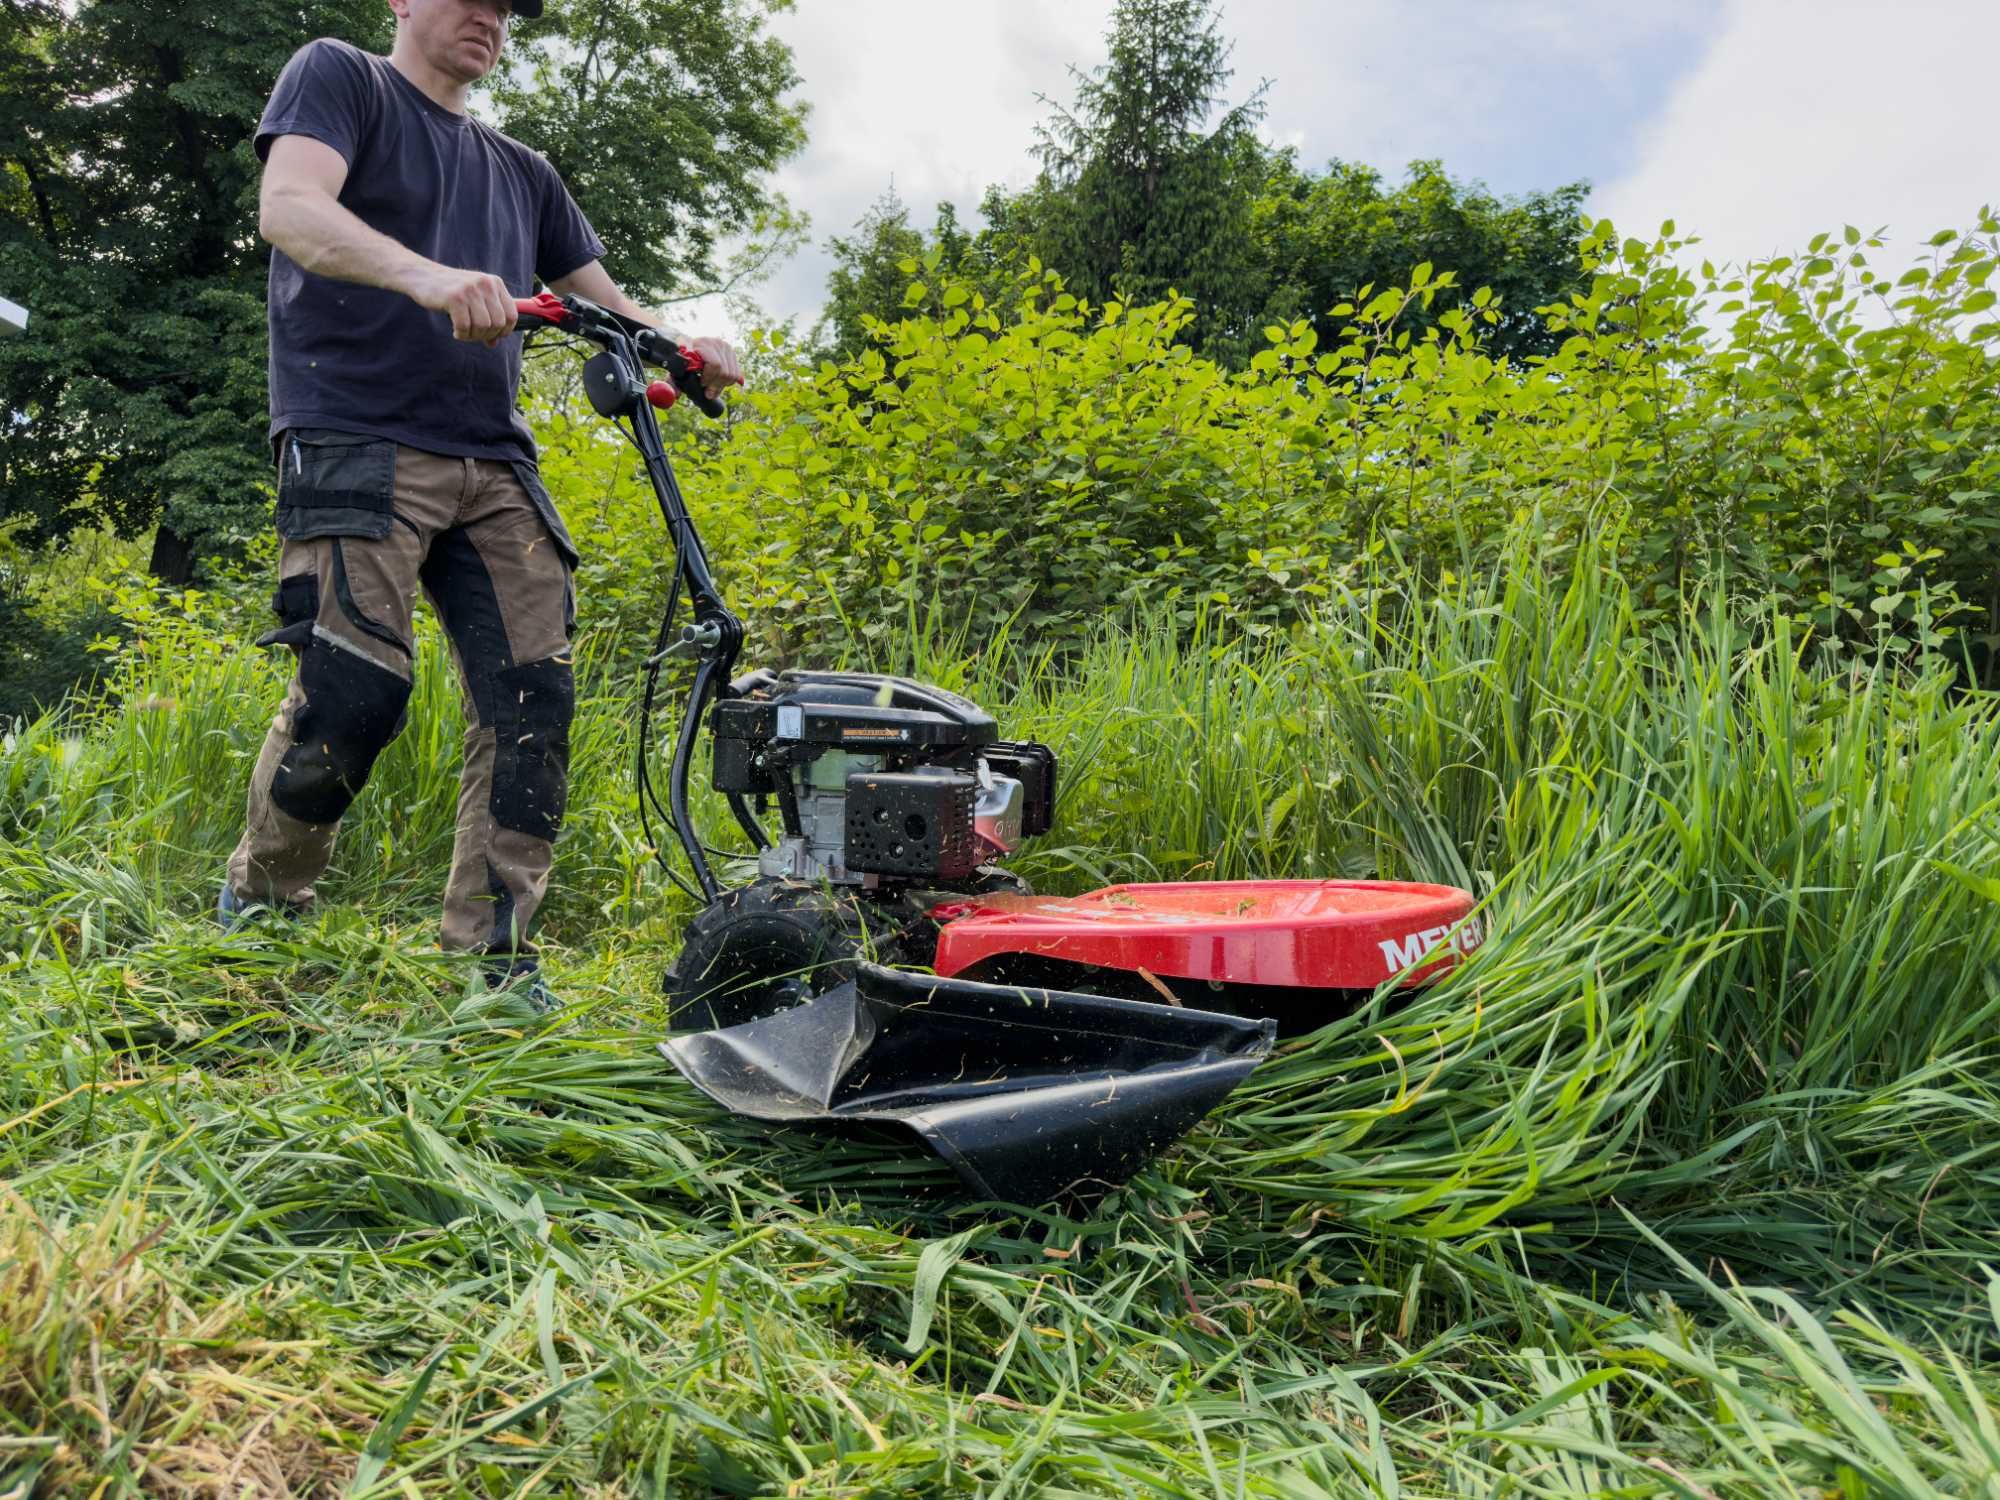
(868, 276)
(665, 118)
(1140, 192)
(128, 231)
(1318, 238)
(127, 222)
(1046, 465)
(876, 267)
(1144, 190)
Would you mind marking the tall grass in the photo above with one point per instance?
(1686, 1185)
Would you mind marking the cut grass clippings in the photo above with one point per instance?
(1686, 1185)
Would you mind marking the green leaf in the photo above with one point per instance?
(1986, 886)
(389, 1431)
(933, 1265)
(1279, 810)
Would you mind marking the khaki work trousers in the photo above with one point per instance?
(366, 523)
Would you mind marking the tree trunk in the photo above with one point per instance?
(173, 559)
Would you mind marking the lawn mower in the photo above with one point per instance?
(884, 965)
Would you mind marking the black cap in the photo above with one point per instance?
(527, 8)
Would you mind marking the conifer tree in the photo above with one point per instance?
(1143, 188)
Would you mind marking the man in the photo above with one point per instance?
(402, 232)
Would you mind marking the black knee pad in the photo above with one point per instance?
(353, 709)
(532, 707)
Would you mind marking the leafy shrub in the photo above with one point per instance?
(1822, 432)
(49, 618)
(44, 660)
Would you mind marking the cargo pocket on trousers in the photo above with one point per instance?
(545, 506)
(335, 484)
(296, 604)
(343, 595)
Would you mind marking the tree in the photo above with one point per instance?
(875, 267)
(1317, 239)
(1138, 192)
(867, 278)
(665, 118)
(127, 221)
(128, 230)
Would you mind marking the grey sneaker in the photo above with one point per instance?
(522, 977)
(232, 910)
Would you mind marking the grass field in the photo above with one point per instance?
(1688, 1184)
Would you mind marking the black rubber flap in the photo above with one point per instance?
(1024, 1091)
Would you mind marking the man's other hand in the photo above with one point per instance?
(479, 305)
(720, 365)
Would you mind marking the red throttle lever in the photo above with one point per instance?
(545, 307)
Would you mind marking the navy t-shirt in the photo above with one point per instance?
(450, 188)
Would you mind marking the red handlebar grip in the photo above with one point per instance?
(544, 305)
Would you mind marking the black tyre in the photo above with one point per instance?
(761, 949)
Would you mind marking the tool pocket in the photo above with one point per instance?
(296, 604)
(335, 484)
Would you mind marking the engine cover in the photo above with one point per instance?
(877, 778)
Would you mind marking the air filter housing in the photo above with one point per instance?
(916, 823)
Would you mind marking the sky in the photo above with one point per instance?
(1753, 123)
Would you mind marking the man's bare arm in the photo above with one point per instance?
(299, 211)
(592, 282)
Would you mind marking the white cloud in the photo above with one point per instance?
(1810, 114)
(1527, 94)
(939, 98)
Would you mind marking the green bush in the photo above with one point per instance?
(45, 660)
(1823, 433)
(50, 617)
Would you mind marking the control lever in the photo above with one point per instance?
(692, 641)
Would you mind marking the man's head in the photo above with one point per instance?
(459, 38)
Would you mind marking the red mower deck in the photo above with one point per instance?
(1317, 934)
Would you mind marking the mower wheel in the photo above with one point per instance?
(760, 949)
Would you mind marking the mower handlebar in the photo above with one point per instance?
(543, 310)
(598, 324)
